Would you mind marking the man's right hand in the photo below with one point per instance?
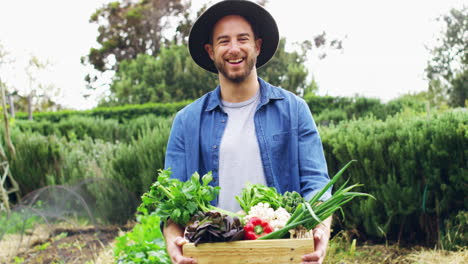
(173, 234)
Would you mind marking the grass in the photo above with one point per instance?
(424, 256)
(342, 250)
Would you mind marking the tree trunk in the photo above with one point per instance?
(10, 146)
(30, 115)
(12, 106)
(4, 192)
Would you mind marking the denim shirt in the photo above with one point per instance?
(290, 146)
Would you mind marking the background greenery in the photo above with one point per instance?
(411, 152)
(412, 160)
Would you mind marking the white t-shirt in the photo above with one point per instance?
(239, 156)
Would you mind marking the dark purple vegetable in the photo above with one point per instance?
(212, 226)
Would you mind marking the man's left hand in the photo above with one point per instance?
(321, 236)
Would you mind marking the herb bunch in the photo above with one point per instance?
(179, 201)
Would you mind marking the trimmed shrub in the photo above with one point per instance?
(120, 113)
(82, 127)
(415, 166)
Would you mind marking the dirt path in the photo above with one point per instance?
(62, 245)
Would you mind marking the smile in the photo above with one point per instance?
(235, 61)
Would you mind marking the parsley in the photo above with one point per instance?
(179, 201)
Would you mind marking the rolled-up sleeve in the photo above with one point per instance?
(313, 170)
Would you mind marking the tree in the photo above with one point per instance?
(447, 71)
(171, 76)
(288, 69)
(129, 28)
(8, 184)
(5, 59)
(168, 73)
(35, 66)
(285, 69)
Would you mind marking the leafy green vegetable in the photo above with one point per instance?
(213, 226)
(311, 213)
(179, 201)
(144, 244)
(291, 200)
(253, 194)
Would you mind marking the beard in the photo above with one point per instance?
(236, 77)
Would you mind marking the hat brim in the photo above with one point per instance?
(201, 30)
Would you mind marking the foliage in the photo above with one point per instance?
(144, 244)
(37, 159)
(171, 76)
(286, 69)
(17, 222)
(128, 28)
(455, 233)
(414, 162)
(120, 113)
(74, 128)
(332, 108)
(82, 127)
(103, 169)
(135, 163)
(415, 166)
(447, 70)
(177, 200)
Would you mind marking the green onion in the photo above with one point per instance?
(313, 212)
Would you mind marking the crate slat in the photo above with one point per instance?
(276, 251)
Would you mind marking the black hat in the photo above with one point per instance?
(264, 24)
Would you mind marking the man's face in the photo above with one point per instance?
(234, 49)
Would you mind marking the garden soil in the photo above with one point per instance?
(62, 245)
(88, 245)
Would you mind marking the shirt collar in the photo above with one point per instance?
(267, 93)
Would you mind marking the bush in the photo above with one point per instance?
(81, 127)
(38, 158)
(135, 164)
(106, 174)
(120, 113)
(415, 167)
(455, 233)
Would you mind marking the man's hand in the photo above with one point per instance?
(173, 235)
(321, 237)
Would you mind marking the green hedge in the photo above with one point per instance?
(118, 112)
(81, 127)
(415, 166)
(325, 109)
(329, 109)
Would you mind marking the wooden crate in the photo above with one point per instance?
(277, 251)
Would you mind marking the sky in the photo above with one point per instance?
(384, 42)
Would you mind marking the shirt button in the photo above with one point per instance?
(222, 121)
(214, 146)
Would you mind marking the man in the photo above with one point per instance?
(246, 130)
